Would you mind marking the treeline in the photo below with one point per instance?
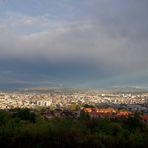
(23, 128)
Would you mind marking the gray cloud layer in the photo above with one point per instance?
(112, 35)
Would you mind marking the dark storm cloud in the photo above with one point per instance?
(111, 36)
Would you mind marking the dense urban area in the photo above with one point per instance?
(65, 99)
(70, 102)
(73, 118)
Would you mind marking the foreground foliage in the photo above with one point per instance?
(26, 129)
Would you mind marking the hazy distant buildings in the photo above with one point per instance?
(60, 99)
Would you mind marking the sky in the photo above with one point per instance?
(73, 43)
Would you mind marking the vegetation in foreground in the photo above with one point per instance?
(23, 128)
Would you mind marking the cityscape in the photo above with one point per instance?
(57, 115)
(75, 100)
(73, 74)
